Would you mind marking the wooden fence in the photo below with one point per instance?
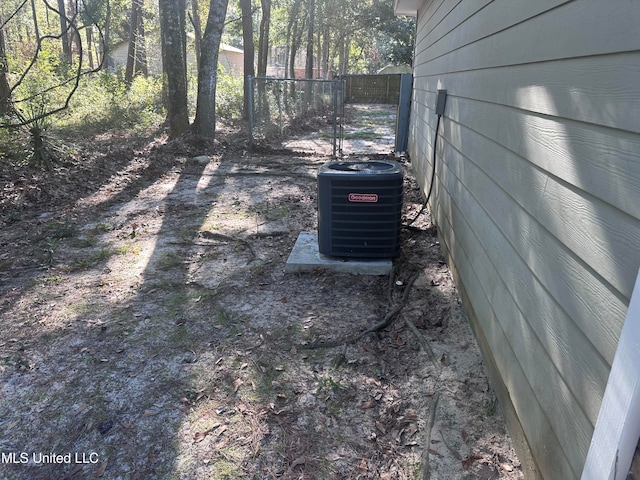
(372, 88)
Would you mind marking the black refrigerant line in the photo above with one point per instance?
(441, 100)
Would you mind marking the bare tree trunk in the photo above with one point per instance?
(287, 50)
(105, 59)
(263, 41)
(5, 91)
(89, 35)
(64, 33)
(174, 64)
(293, 39)
(308, 71)
(35, 18)
(295, 45)
(133, 35)
(323, 47)
(320, 71)
(74, 34)
(141, 46)
(249, 53)
(343, 53)
(205, 121)
(197, 28)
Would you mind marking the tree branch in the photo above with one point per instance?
(23, 120)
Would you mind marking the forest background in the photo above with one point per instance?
(58, 82)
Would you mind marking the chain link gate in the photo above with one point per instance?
(277, 104)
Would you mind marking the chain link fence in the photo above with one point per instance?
(278, 106)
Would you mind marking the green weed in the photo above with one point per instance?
(127, 249)
(491, 407)
(60, 230)
(85, 242)
(50, 247)
(328, 384)
(91, 260)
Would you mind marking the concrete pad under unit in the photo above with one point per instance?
(305, 257)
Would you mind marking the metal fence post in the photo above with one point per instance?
(334, 88)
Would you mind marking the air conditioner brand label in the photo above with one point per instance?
(363, 197)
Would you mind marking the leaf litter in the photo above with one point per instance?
(158, 335)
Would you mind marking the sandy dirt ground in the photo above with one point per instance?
(149, 329)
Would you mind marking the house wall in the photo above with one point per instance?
(537, 197)
(232, 59)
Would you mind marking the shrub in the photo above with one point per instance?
(229, 95)
(103, 103)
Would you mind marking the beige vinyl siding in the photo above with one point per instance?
(537, 194)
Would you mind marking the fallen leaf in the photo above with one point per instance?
(380, 427)
(506, 467)
(368, 404)
(467, 462)
(82, 408)
(297, 462)
(101, 469)
(434, 452)
(75, 471)
(362, 466)
(190, 357)
(444, 360)
(411, 430)
(199, 436)
(332, 457)
(150, 413)
(464, 436)
(13, 424)
(236, 385)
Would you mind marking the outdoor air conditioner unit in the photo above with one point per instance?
(360, 208)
